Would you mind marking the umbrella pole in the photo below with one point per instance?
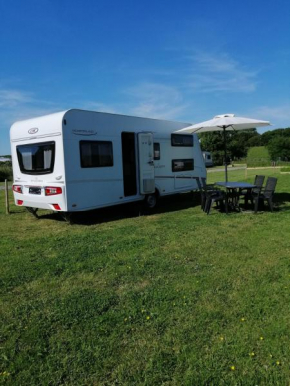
(225, 149)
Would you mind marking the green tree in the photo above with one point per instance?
(279, 147)
(236, 142)
(267, 137)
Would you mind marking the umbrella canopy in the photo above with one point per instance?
(225, 122)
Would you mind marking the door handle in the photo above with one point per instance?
(151, 163)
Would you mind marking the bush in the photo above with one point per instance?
(285, 170)
(6, 172)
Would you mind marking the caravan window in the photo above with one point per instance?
(37, 158)
(181, 165)
(95, 154)
(185, 140)
(156, 151)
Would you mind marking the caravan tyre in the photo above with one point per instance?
(151, 200)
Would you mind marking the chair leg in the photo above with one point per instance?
(205, 204)
(202, 201)
(256, 204)
(226, 205)
(270, 202)
(209, 206)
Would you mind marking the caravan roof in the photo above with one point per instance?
(54, 122)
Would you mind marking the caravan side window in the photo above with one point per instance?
(156, 151)
(181, 165)
(95, 154)
(185, 140)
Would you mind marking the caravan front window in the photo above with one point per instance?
(36, 158)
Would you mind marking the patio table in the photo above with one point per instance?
(233, 190)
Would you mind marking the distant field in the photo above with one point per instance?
(258, 152)
(258, 156)
(174, 297)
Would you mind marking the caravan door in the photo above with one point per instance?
(146, 163)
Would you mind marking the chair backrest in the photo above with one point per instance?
(270, 186)
(259, 180)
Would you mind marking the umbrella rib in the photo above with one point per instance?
(198, 129)
(226, 126)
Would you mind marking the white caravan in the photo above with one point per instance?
(207, 158)
(81, 160)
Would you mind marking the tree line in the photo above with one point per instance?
(238, 142)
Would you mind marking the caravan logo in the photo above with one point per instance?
(33, 131)
(84, 132)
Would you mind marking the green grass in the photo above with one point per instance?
(172, 298)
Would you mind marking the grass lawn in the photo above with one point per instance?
(172, 298)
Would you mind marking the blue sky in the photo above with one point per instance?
(181, 60)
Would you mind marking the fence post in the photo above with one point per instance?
(6, 197)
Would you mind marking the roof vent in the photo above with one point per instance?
(224, 115)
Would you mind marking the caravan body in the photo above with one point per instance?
(80, 160)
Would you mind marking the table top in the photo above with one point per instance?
(235, 185)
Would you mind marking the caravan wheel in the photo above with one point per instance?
(151, 200)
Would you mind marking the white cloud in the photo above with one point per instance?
(17, 105)
(279, 116)
(155, 101)
(220, 73)
(98, 106)
(11, 98)
(152, 100)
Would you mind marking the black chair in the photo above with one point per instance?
(265, 194)
(248, 194)
(206, 190)
(219, 197)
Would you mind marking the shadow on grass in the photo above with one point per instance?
(118, 212)
(166, 204)
(281, 198)
(280, 204)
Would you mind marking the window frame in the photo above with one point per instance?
(98, 142)
(31, 172)
(182, 160)
(174, 135)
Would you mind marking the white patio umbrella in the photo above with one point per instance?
(226, 122)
